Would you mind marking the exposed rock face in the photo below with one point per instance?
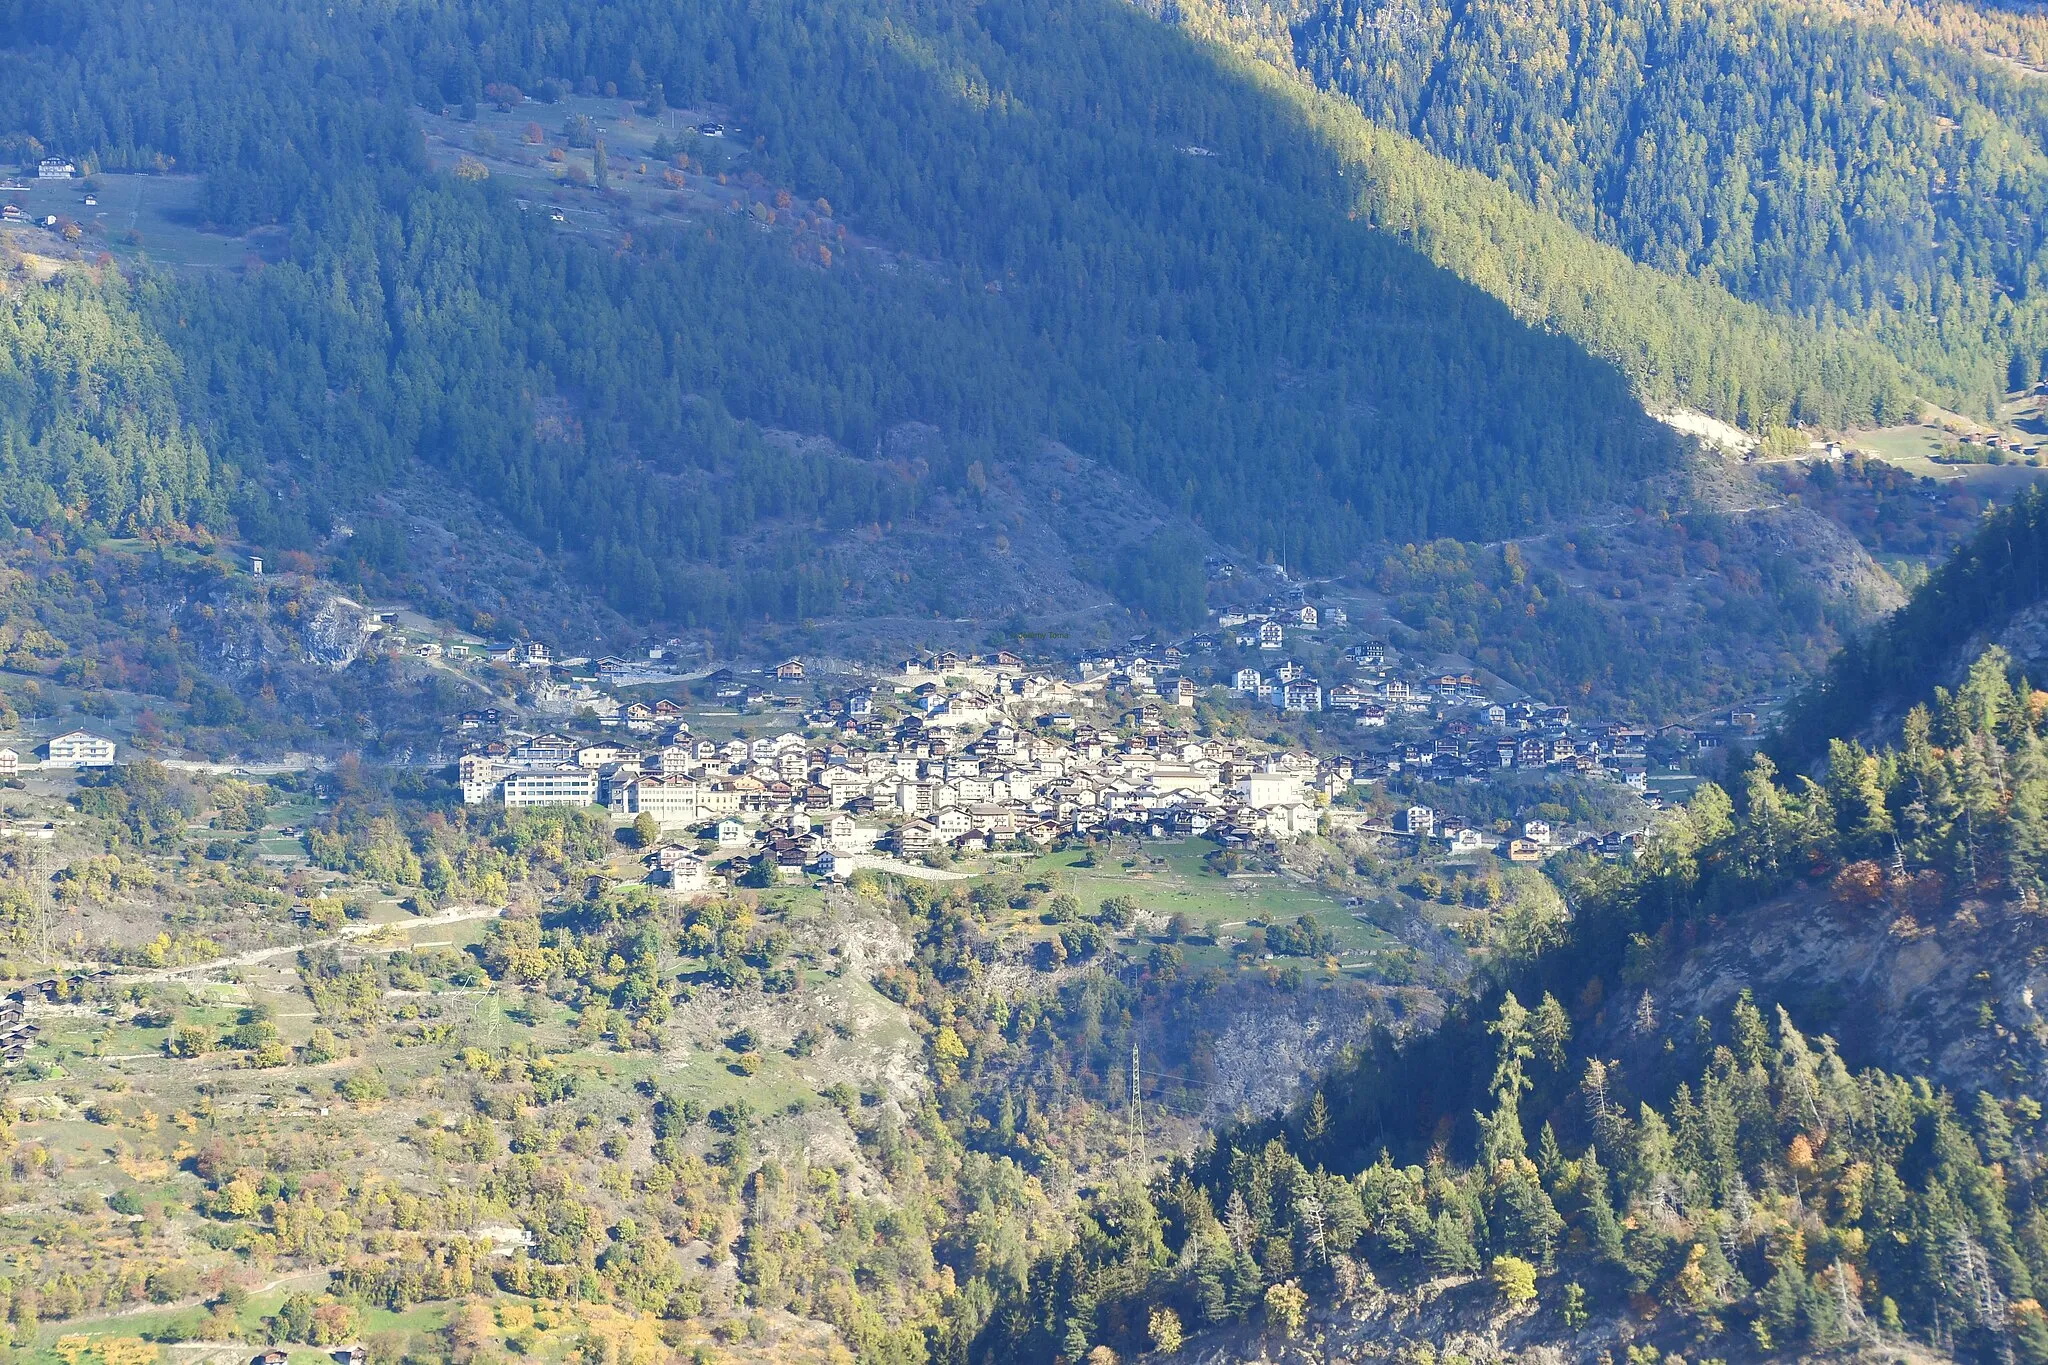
(334, 635)
(1946, 987)
(255, 631)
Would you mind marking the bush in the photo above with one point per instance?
(1515, 1278)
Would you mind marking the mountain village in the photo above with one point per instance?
(948, 755)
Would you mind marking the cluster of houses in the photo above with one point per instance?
(17, 1033)
(952, 752)
(965, 754)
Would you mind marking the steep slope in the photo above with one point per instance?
(1215, 328)
(1991, 590)
(1833, 162)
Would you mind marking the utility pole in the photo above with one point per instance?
(1135, 1112)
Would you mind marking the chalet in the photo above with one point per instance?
(55, 168)
(11, 213)
(1537, 832)
(1271, 635)
(730, 833)
(1525, 851)
(10, 763)
(790, 670)
(1305, 617)
(80, 749)
(1246, 680)
(1345, 697)
(1372, 716)
(915, 839)
(545, 750)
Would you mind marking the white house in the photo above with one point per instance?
(684, 873)
(81, 749)
(1266, 790)
(10, 763)
(1466, 839)
(1302, 694)
(1537, 832)
(1271, 635)
(55, 168)
(1417, 820)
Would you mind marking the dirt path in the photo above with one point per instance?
(346, 931)
(897, 867)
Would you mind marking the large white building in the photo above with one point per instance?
(80, 749)
(567, 785)
(1266, 790)
(672, 803)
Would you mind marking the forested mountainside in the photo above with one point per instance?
(1049, 249)
(1995, 583)
(1833, 162)
(1048, 293)
(899, 115)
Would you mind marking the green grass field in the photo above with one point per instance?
(1170, 879)
(141, 219)
(1913, 448)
